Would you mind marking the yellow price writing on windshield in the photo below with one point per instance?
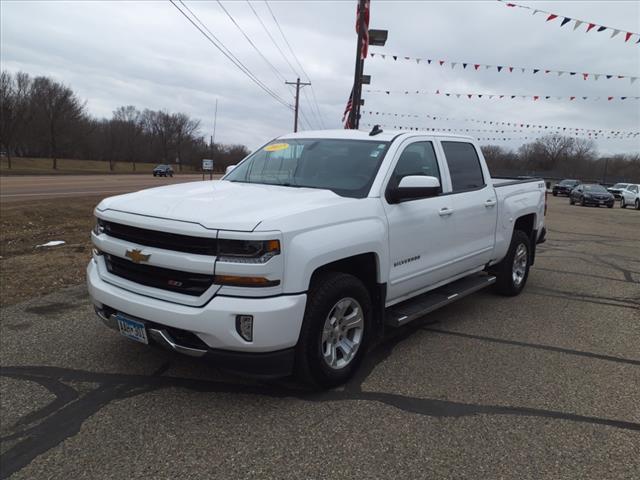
(276, 147)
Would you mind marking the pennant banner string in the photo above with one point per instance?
(436, 130)
(504, 68)
(496, 96)
(513, 124)
(550, 17)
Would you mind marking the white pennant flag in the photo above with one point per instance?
(453, 64)
(535, 11)
(523, 70)
(615, 32)
(596, 77)
(487, 67)
(560, 73)
(578, 23)
(457, 95)
(417, 60)
(383, 56)
(633, 79)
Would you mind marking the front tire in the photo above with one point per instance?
(582, 203)
(571, 201)
(637, 204)
(335, 331)
(513, 271)
(622, 204)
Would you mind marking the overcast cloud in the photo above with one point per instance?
(148, 55)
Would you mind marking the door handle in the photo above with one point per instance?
(443, 212)
(489, 203)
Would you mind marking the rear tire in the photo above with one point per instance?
(637, 204)
(338, 317)
(571, 201)
(582, 204)
(555, 194)
(513, 271)
(622, 204)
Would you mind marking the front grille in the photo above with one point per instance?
(187, 283)
(164, 240)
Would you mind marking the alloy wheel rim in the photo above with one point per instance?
(342, 333)
(519, 264)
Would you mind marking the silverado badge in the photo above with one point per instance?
(137, 256)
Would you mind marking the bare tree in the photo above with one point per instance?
(185, 128)
(60, 110)
(554, 148)
(15, 113)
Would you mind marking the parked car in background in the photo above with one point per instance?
(591, 194)
(630, 196)
(617, 188)
(163, 171)
(564, 187)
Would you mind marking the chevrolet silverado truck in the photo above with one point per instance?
(301, 256)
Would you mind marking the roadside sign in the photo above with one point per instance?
(207, 164)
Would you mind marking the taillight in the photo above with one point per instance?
(546, 194)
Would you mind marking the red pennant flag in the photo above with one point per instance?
(510, 69)
(551, 17)
(585, 75)
(469, 95)
(591, 25)
(609, 98)
(437, 92)
(627, 36)
(511, 4)
(441, 62)
(476, 66)
(547, 71)
(535, 97)
(572, 98)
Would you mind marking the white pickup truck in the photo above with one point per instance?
(300, 257)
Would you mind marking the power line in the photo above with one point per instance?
(296, 59)
(273, 68)
(227, 53)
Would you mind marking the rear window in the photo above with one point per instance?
(464, 166)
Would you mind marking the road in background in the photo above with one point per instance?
(543, 385)
(17, 188)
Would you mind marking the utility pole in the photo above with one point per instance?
(298, 84)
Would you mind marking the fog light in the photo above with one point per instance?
(244, 326)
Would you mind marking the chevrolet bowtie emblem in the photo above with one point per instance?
(136, 256)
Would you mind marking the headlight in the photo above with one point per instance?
(247, 251)
(98, 228)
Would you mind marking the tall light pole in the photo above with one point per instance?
(298, 84)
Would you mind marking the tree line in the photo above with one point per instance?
(40, 117)
(557, 156)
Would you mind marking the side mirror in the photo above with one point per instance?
(413, 187)
(229, 169)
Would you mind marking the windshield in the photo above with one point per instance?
(620, 185)
(568, 182)
(346, 167)
(595, 188)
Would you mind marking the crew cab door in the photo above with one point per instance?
(420, 230)
(473, 202)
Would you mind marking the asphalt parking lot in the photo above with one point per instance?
(544, 385)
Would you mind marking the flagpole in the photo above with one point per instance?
(354, 114)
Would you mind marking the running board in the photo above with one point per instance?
(414, 308)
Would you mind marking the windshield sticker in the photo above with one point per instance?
(276, 147)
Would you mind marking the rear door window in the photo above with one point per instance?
(464, 166)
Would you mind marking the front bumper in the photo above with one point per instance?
(276, 325)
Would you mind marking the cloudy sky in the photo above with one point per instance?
(148, 55)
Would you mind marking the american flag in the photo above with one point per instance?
(363, 16)
(346, 116)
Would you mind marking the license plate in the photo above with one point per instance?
(601, 202)
(132, 329)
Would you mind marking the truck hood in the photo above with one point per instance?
(221, 204)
